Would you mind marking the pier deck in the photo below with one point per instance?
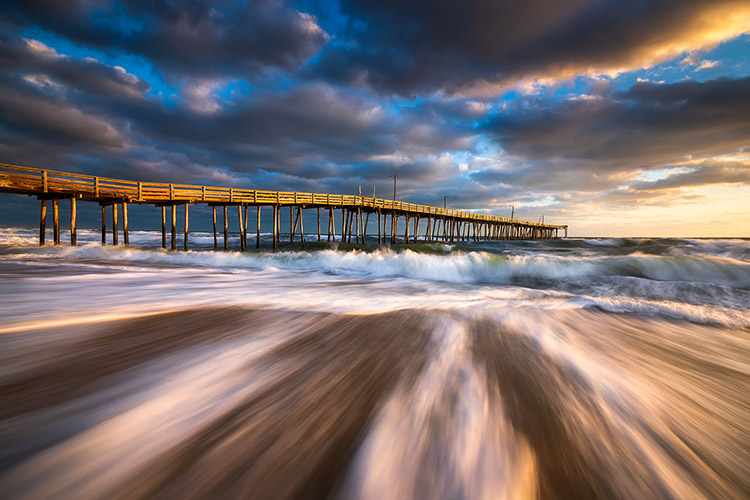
(442, 224)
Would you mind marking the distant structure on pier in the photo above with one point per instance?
(441, 224)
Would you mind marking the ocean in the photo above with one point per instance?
(556, 369)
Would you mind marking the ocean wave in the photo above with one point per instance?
(455, 267)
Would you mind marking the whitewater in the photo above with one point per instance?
(570, 368)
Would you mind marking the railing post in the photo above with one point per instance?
(44, 180)
(96, 186)
(140, 191)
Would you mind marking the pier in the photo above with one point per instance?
(353, 212)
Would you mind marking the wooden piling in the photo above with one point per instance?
(352, 227)
(301, 226)
(56, 221)
(416, 228)
(406, 230)
(394, 223)
(379, 237)
(257, 229)
(275, 226)
(173, 245)
(104, 225)
(291, 221)
(213, 212)
(43, 222)
(114, 224)
(318, 223)
(244, 224)
(125, 236)
(359, 223)
(343, 224)
(242, 228)
(226, 229)
(164, 227)
(185, 238)
(73, 236)
(331, 225)
(364, 228)
(385, 221)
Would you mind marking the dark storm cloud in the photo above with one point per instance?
(648, 124)
(194, 38)
(422, 46)
(308, 124)
(62, 112)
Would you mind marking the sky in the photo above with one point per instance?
(618, 118)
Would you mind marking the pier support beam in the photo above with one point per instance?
(385, 221)
(213, 213)
(56, 221)
(301, 226)
(185, 242)
(257, 228)
(104, 225)
(394, 223)
(242, 228)
(43, 223)
(318, 223)
(125, 236)
(345, 226)
(379, 235)
(164, 227)
(173, 246)
(291, 223)
(275, 225)
(331, 225)
(73, 236)
(114, 224)
(360, 227)
(244, 224)
(226, 229)
(349, 225)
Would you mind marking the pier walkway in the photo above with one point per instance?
(441, 224)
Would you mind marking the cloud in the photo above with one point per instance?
(62, 112)
(485, 47)
(49, 68)
(648, 124)
(199, 39)
(705, 173)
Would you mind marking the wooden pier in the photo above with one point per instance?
(440, 224)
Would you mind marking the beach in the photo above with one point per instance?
(575, 368)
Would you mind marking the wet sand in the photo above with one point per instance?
(469, 403)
